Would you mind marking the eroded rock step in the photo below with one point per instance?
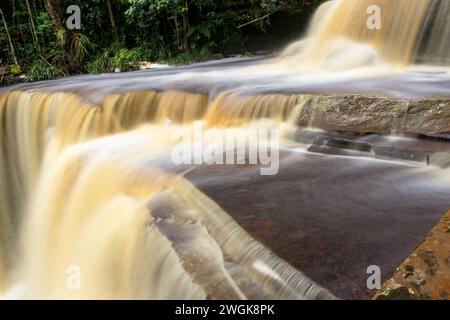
(425, 274)
(332, 217)
(426, 150)
(219, 256)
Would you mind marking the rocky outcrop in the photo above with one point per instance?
(429, 117)
(376, 114)
(426, 273)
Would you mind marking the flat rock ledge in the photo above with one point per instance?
(425, 274)
(374, 114)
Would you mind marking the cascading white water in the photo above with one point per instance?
(434, 44)
(409, 30)
(76, 191)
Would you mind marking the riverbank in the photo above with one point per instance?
(425, 274)
(8, 77)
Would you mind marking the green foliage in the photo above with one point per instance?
(189, 57)
(116, 58)
(15, 69)
(82, 45)
(99, 64)
(145, 30)
(125, 59)
(44, 25)
(201, 33)
(42, 70)
(61, 37)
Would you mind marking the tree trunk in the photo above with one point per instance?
(111, 16)
(69, 46)
(177, 25)
(17, 20)
(186, 25)
(13, 52)
(52, 9)
(177, 32)
(33, 29)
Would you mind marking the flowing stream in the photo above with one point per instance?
(88, 186)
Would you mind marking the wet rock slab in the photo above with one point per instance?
(425, 150)
(331, 217)
(425, 274)
(375, 114)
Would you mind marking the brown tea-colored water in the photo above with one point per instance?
(91, 205)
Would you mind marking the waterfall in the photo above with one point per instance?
(86, 187)
(86, 179)
(434, 44)
(340, 28)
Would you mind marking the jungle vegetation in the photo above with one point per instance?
(119, 35)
